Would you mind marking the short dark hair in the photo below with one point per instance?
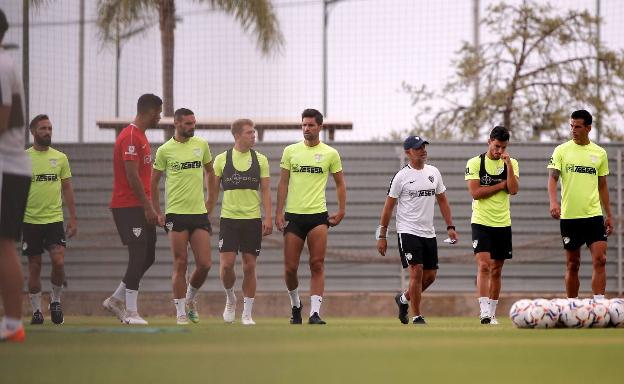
(582, 114)
(148, 102)
(37, 119)
(310, 112)
(4, 24)
(499, 133)
(181, 112)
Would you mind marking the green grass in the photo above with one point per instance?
(376, 350)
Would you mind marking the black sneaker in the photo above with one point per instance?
(316, 319)
(419, 320)
(56, 313)
(296, 315)
(403, 309)
(37, 318)
(485, 319)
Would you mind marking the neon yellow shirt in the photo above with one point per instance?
(49, 168)
(309, 168)
(492, 211)
(183, 164)
(579, 167)
(241, 203)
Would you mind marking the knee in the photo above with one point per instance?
(600, 261)
(203, 265)
(179, 265)
(291, 269)
(573, 266)
(34, 263)
(496, 272)
(227, 266)
(249, 269)
(483, 267)
(317, 267)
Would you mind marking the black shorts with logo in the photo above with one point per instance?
(576, 232)
(244, 235)
(180, 222)
(495, 240)
(418, 250)
(302, 224)
(39, 237)
(132, 226)
(13, 205)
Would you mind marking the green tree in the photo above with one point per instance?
(255, 16)
(540, 66)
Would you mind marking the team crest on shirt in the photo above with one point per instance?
(197, 151)
(431, 178)
(593, 159)
(475, 243)
(318, 157)
(137, 231)
(566, 240)
(147, 159)
(53, 163)
(500, 170)
(131, 150)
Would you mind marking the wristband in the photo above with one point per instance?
(378, 235)
(448, 227)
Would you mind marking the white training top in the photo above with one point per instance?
(415, 190)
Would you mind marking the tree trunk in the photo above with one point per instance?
(166, 11)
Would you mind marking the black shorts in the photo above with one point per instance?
(244, 235)
(39, 237)
(179, 222)
(13, 205)
(418, 250)
(495, 240)
(132, 226)
(302, 224)
(576, 232)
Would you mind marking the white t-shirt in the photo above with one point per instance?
(13, 159)
(415, 190)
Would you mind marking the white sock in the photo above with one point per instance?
(247, 306)
(229, 295)
(10, 324)
(599, 297)
(35, 301)
(403, 299)
(315, 304)
(295, 301)
(493, 307)
(120, 292)
(484, 305)
(55, 295)
(573, 298)
(131, 300)
(191, 292)
(180, 305)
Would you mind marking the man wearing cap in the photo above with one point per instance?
(491, 177)
(415, 186)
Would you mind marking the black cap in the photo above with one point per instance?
(414, 142)
(4, 24)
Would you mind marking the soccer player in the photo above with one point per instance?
(582, 167)
(242, 171)
(134, 216)
(416, 186)
(43, 220)
(184, 159)
(305, 167)
(491, 178)
(14, 185)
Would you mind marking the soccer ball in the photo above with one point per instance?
(542, 314)
(518, 313)
(560, 304)
(599, 311)
(576, 314)
(616, 312)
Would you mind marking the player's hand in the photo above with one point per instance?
(160, 220)
(506, 158)
(382, 246)
(336, 218)
(452, 234)
(555, 211)
(72, 228)
(280, 222)
(150, 215)
(267, 226)
(608, 225)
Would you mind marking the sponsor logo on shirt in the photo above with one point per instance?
(551, 161)
(306, 169)
(422, 193)
(236, 179)
(45, 177)
(177, 166)
(580, 169)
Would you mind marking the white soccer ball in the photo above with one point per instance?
(518, 313)
(599, 310)
(560, 304)
(576, 314)
(542, 314)
(616, 312)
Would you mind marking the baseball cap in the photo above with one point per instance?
(414, 142)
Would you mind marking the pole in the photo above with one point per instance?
(477, 82)
(401, 156)
(619, 221)
(81, 60)
(26, 64)
(598, 122)
(325, 20)
(117, 62)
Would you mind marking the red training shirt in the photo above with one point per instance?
(131, 145)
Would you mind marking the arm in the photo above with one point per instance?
(603, 191)
(341, 194)
(384, 221)
(512, 181)
(156, 174)
(555, 208)
(68, 196)
(445, 210)
(479, 192)
(213, 187)
(282, 193)
(132, 174)
(265, 191)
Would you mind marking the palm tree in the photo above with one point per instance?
(256, 16)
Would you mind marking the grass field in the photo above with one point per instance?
(374, 350)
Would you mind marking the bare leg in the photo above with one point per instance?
(179, 242)
(573, 262)
(293, 245)
(317, 245)
(598, 251)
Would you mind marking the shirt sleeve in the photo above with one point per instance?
(264, 167)
(160, 163)
(516, 168)
(440, 187)
(129, 150)
(603, 169)
(472, 169)
(207, 155)
(285, 160)
(555, 160)
(219, 164)
(336, 164)
(396, 186)
(65, 171)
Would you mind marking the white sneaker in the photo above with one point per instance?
(133, 318)
(493, 320)
(247, 320)
(485, 318)
(182, 320)
(229, 313)
(116, 307)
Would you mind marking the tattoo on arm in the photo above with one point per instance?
(554, 173)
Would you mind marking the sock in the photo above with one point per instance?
(403, 299)
(131, 300)
(55, 295)
(484, 305)
(573, 298)
(120, 292)
(295, 301)
(229, 294)
(191, 292)
(493, 307)
(247, 306)
(10, 324)
(180, 305)
(599, 297)
(315, 304)
(35, 301)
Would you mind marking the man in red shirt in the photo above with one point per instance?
(132, 209)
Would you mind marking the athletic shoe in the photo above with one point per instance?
(493, 320)
(133, 318)
(247, 320)
(419, 320)
(17, 336)
(116, 307)
(229, 313)
(296, 315)
(192, 312)
(403, 309)
(182, 320)
(37, 318)
(485, 319)
(56, 313)
(316, 319)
